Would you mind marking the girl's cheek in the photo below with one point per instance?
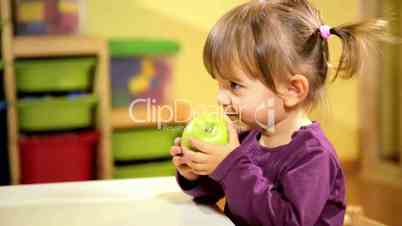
(275, 114)
(237, 105)
(248, 115)
(264, 116)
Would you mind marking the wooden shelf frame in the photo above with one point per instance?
(10, 90)
(48, 46)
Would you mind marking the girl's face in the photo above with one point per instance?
(249, 101)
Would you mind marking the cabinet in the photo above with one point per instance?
(106, 119)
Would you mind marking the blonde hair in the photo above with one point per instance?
(279, 38)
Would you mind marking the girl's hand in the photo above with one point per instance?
(180, 163)
(209, 156)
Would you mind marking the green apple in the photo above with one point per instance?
(208, 127)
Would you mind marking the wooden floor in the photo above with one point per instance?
(380, 202)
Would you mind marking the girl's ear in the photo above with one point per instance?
(297, 90)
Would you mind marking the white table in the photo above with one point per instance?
(143, 202)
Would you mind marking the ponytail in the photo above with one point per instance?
(355, 39)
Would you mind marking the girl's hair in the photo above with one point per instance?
(279, 38)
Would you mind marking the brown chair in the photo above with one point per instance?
(355, 217)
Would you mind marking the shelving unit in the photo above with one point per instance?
(57, 46)
(107, 120)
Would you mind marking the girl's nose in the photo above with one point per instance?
(223, 98)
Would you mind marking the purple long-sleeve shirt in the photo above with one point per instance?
(300, 183)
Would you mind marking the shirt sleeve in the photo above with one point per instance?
(255, 200)
(204, 190)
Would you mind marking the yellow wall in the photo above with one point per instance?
(189, 21)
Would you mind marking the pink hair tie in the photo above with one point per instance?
(325, 31)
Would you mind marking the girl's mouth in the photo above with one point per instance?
(231, 114)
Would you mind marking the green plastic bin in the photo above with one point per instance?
(71, 74)
(144, 143)
(158, 169)
(128, 47)
(55, 113)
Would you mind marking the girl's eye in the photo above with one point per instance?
(234, 86)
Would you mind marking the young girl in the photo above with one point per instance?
(272, 57)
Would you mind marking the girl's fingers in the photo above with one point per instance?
(200, 172)
(178, 161)
(180, 166)
(193, 156)
(176, 151)
(177, 141)
(203, 146)
(175, 162)
(188, 162)
(197, 166)
(185, 169)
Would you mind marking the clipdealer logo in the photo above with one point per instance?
(163, 114)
